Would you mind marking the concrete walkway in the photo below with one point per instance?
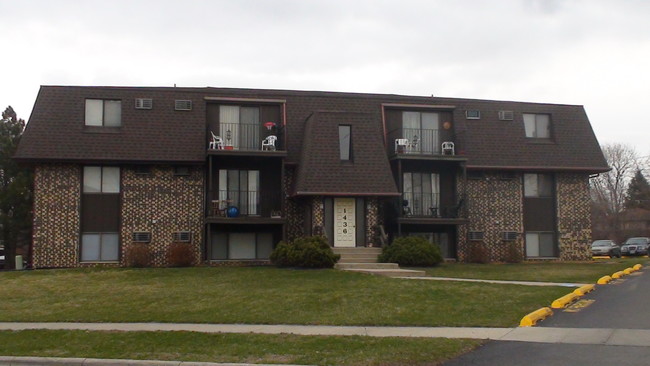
(627, 337)
(523, 283)
(41, 361)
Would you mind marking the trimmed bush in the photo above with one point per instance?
(305, 252)
(513, 254)
(137, 255)
(478, 253)
(180, 255)
(411, 251)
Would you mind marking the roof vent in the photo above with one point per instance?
(509, 235)
(182, 236)
(475, 235)
(143, 103)
(141, 237)
(506, 115)
(473, 114)
(183, 105)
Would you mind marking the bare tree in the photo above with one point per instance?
(609, 189)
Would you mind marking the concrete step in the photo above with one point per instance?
(358, 260)
(366, 266)
(339, 250)
(391, 272)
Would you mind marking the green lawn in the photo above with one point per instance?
(261, 295)
(250, 348)
(574, 272)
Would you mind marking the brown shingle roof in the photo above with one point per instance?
(56, 130)
(321, 170)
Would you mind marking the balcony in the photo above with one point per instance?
(246, 139)
(247, 207)
(427, 208)
(421, 143)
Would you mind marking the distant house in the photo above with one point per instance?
(231, 172)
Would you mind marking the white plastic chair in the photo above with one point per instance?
(269, 143)
(216, 143)
(448, 148)
(401, 145)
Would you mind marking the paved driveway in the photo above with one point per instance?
(622, 305)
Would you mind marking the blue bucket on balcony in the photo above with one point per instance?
(232, 211)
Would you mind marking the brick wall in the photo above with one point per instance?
(494, 205)
(57, 197)
(162, 203)
(574, 216)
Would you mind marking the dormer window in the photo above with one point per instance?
(103, 113)
(345, 142)
(537, 125)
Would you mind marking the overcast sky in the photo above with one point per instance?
(588, 52)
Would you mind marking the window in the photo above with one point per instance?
(241, 245)
(240, 188)
(99, 247)
(240, 126)
(99, 179)
(540, 244)
(106, 113)
(421, 130)
(421, 194)
(537, 125)
(538, 185)
(345, 142)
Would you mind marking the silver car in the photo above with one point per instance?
(605, 247)
(635, 246)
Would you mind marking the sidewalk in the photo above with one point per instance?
(56, 361)
(627, 337)
(504, 282)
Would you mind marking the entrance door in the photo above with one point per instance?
(344, 222)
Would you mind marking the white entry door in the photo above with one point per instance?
(344, 222)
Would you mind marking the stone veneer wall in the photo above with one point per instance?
(162, 203)
(372, 220)
(573, 216)
(495, 205)
(57, 197)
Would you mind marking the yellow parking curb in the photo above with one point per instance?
(537, 315)
(604, 280)
(618, 274)
(637, 266)
(627, 271)
(581, 291)
(563, 301)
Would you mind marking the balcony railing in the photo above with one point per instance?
(246, 203)
(418, 141)
(245, 137)
(421, 204)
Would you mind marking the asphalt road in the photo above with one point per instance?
(623, 304)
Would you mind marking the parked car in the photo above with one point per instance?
(605, 247)
(635, 246)
(2, 256)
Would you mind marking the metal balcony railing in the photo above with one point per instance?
(245, 136)
(421, 204)
(417, 141)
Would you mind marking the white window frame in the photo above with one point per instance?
(101, 257)
(537, 126)
(101, 179)
(103, 113)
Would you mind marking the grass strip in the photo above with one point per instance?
(573, 272)
(260, 296)
(234, 348)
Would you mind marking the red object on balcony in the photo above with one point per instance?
(269, 125)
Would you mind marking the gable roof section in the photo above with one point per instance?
(321, 171)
